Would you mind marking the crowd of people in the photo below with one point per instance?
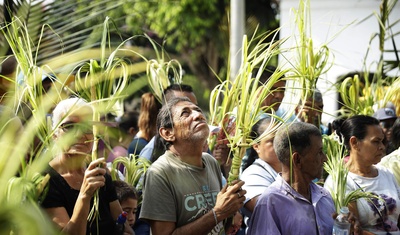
(185, 190)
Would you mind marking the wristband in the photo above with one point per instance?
(215, 216)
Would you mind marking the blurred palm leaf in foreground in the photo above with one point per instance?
(230, 101)
(102, 76)
(336, 168)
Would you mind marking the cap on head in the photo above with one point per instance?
(385, 114)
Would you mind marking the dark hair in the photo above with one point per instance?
(353, 126)
(129, 120)
(168, 92)
(395, 138)
(315, 97)
(125, 191)
(396, 133)
(160, 146)
(293, 137)
(266, 73)
(164, 120)
(256, 130)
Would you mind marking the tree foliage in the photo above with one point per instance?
(185, 24)
(198, 32)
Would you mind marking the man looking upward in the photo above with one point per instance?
(183, 191)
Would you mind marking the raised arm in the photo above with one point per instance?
(93, 179)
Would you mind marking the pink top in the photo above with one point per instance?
(118, 151)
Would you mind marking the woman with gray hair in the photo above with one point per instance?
(73, 183)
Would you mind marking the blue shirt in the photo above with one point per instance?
(136, 146)
(148, 149)
(282, 210)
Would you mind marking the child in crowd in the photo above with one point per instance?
(128, 198)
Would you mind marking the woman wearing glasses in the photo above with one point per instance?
(73, 182)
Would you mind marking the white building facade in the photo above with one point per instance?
(347, 28)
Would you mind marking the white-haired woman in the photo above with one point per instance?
(73, 183)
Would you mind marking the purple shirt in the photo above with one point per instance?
(282, 210)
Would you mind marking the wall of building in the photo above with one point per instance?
(347, 26)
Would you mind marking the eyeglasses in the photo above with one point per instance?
(76, 127)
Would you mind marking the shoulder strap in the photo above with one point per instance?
(258, 164)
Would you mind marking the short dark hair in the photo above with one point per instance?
(293, 137)
(125, 191)
(266, 73)
(353, 126)
(128, 120)
(168, 92)
(395, 139)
